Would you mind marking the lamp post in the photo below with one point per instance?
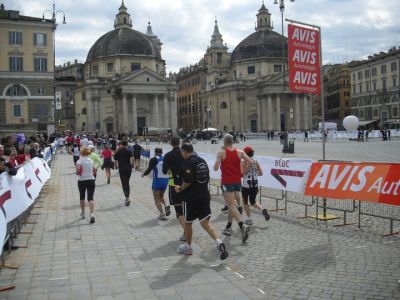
(282, 9)
(53, 19)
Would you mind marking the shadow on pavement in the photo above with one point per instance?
(71, 224)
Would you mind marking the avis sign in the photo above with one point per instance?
(374, 182)
(304, 60)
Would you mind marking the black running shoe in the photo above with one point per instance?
(167, 210)
(240, 209)
(266, 214)
(92, 219)
(223, 254)
(245, 233)
(224, 209)
(108, 180)
(127, 202)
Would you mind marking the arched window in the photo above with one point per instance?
(16, 90)
(224, 105)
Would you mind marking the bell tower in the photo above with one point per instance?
(263, 19)
(123, 18)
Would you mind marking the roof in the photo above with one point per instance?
(260, 44)
(123, 41)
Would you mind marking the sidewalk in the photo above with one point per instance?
(126, 254)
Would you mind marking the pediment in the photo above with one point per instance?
(143, 76)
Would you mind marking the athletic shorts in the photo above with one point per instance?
(249, 194)
(86, 185)
(231, 187)
(76, 158)
(159, 185)
(136, 157)
(174, 197)
(193, 211)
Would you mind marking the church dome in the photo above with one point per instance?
(261, 44)
(123, 41)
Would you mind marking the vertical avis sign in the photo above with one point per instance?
(303, 59)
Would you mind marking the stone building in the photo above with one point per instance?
(26, 72)
(125, 88)
(246, 90)
(375, 89)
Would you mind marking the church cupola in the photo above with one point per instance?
(216, 38)
(123, 18)
(154, 38)
(263, 19)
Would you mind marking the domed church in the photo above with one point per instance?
(125, 88)
(247, 89)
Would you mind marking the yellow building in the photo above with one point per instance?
(26, 72)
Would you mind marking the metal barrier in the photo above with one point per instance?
(382, 211)
(345, 206)
(300, 199)
(277, 195)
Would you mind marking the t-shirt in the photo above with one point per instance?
(123, 156)
(96, 160)
(75, 150)
(86, 169)
(195, 171)
(106, 153)
(173, 162)
(136, 150)
(250, 179)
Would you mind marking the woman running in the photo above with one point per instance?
(108, 164)
(86, 181)
(160, 183)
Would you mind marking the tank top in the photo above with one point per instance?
(86, 172)
(250, 179)
(230, 168)
(157, 171)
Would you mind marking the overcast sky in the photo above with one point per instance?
(351, 29)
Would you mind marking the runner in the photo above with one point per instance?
(108, 164)
(86, 182)
(160, 183)
(124, 163)
(229, 160)
(195, 187)
(250, 185)
(75, 152)
(136, 154)
(173, 162)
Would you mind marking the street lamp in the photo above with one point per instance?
(54, 14)
(282, 9)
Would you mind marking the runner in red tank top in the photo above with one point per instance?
(228, 159)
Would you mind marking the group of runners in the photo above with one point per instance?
(186, 176)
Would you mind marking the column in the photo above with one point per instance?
(241, 112)
(269, 112)
(278, 112)
(115, 115)
(310, 112)
(96, 113)
(166, 115)
(305, 109)
(297, 116)
(156, 115)
(259, 115)
(134, 115)
(124, 114)
(173, 113)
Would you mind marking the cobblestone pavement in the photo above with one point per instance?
(128, 254)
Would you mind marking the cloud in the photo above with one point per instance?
(351, 29)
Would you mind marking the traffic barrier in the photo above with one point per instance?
(300, 199)
(382, 211)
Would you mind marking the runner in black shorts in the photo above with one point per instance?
(196, 176)
(173, 163)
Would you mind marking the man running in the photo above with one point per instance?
(228, 159)
(160, 183)
(136, 154)
(250, 185)
(172, 165)
(196, 176)
(123, 158)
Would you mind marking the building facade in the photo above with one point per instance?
(125, 87)
(375, 89)
(337, 83)
(26, 72)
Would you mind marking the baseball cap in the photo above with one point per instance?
(248, 149)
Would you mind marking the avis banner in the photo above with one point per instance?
(304, 60)
(375, 182)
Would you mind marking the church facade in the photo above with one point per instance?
(125, 88)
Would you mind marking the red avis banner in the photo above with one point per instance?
(303, 60)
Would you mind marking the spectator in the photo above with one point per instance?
(35, 151)
(21, 155)
(6, 167)
(9, 143)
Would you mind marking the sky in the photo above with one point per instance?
(351, 29)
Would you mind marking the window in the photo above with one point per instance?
(42, 110)
(16, 63)
(219, 58)
(17, 111)
(224, 105)
(367, 86)
(40, 64)
(354, 89)
(374, 85)
(83, 96)
(347, 94)
(40, 39)
(394, 81)
(15, 38)
(366, 74)
(16, 90)
(384, 84)
(383, 69)
(393, 67)
(135, 66)
(360, 87)
(359, 75)
(373, 71)
(395, 111)
(361, 113)
(83, 112)
(375, 113)
(95, 70)
(40, 90)
(110, 67)
(277, 68)
(354, 76)
(251, 70)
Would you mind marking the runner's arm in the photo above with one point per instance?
(242, 167)
(152, 164)
(217, 161)
(165, 164)
(259, 170)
